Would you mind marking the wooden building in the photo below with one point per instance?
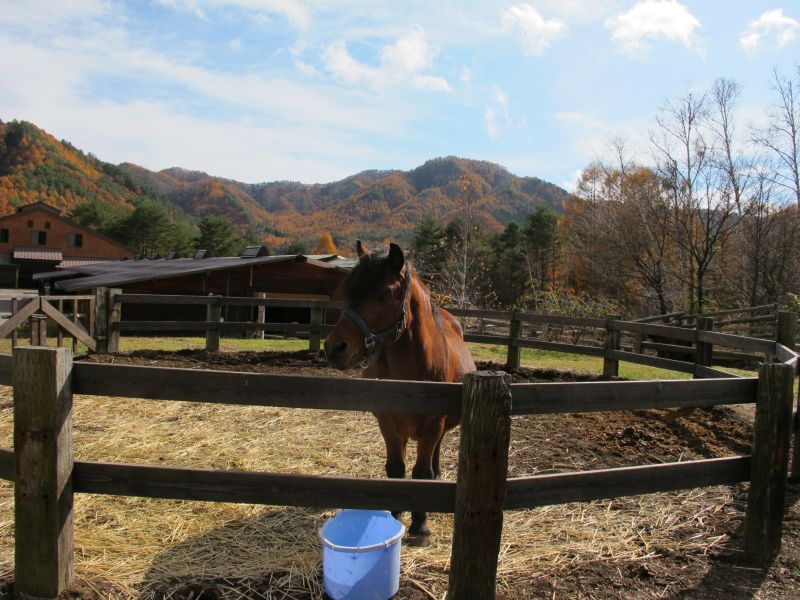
(299, 277)
(37, 238)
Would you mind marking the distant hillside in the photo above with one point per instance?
(34, 166)
(373, 205)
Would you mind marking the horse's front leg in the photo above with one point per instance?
(395, 454)
(426, 467)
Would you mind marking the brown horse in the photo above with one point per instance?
(393, 331)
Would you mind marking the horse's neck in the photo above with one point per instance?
(420, 347)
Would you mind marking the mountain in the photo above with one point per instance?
(372, 205)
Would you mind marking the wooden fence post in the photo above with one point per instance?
(481, 484)
(38, 330)
(214, 317)
(261, 315)
(314, 335)
(75, 312)
(704, 351)
(611, 343)
(60, 333)
(770, 462)
(101, 319)
(114, 316)
(785, 333)
(43, 518)
(514, 333)
(14, 334)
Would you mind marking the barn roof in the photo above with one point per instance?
(122, 272)
(38, 253)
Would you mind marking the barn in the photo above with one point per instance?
(253, 274)
(38, 238)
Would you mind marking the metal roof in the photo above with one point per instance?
(74, 261)
(37, 253)
(116, 273)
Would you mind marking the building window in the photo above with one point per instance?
(30, 223)
(3, 235)
(75, 240)
(47, 224)
(39, 238)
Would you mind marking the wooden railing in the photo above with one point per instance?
(74, 317)
(43, 466)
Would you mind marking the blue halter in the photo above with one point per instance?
(371, 340)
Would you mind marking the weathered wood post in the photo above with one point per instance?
(14, 334)
(214, 317)
(101, 319)
(611, 344)
(481, 484)
(43, 518)
(38, 330)
(770, 463)
(60, 334)
(261, 315)
(785, 334)
(314, 335)
(114, 316)
(704, 351)
(75, 312)
(514, 334)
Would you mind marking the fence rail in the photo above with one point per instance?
(45, 379)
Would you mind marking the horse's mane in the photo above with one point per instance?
(366, 278)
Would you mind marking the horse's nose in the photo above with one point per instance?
(336, 353)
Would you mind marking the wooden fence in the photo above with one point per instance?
(74, 316)
(47, 476)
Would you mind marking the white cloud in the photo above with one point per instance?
(235, 44)
(653, 20)
(537, 32)
(771, 23)
(292, 10)
(403, 62)
(497, 115)
(490, 124)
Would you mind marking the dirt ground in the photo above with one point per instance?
(682, 569)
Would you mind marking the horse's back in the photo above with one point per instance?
(461, 361)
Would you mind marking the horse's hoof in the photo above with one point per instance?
(419, 530)
(417, 540)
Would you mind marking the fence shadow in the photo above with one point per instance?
(272, 554)
(733, 577)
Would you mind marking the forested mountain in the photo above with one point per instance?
(374, 205)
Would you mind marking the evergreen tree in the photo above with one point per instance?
(148, 229)
(428, 246)
(219, 237)
(509, 271)
(540, 243)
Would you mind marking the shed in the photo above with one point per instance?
(283, 276)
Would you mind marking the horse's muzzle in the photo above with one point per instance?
(338, 354)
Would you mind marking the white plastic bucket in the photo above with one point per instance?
(361, 555)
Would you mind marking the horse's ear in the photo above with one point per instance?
(396, 258)
(361, 249)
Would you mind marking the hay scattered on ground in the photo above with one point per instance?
(144, 548)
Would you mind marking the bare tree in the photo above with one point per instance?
(690, 150)
(781, 137)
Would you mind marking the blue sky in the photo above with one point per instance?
(261, 90)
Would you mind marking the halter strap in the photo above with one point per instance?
(371, 340)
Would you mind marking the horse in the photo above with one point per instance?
(415, 340)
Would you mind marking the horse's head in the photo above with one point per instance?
(375, 292)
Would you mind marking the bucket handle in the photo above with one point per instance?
(358, 549)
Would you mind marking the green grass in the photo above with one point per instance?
(561, 361)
